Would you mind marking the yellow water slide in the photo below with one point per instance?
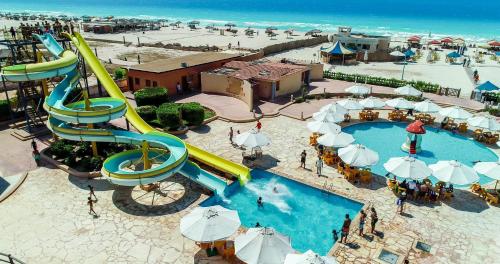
(240, 171)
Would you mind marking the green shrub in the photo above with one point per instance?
(151, 96)
(4, 109)
(147, 112)
(193, 113)
(61, 149)
(168, 115)
(120, 73)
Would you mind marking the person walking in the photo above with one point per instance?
(36, 157)
(303, 156)
(13, 32)
(373, 220)
(319, 166)
(178, 88)
(91, 189)
(362, 220)
(258, 126)
(400, 202)
(231, 133)
(345, 229)
(91, 206)
(33, 144)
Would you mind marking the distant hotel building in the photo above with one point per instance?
(377, 46)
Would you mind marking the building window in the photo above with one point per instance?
(137, 81)
(277, 86)
(155, 84)
(366, 46)
(148, 83)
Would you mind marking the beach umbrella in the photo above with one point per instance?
(207, 224)
(230, 25)
(397, 53)
(408, 90)
(313, 32)
(408, 168)
(252, 139)
(336, 140)
(309, 257)
(326, 116)
(484, 121)
(358, 155)
(434, 42)
(372, 103)
(400, 103)
(490, 169)
(358, 90)
(455, 112)
(262, 245)
(494, 43)
(487, 86)
(194, 22)
(350, 104)
(323, 127)
(453, 172)
(447, 40)
(333, 108)
(427, 106)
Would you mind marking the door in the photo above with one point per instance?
(184, 83)
(130, 84)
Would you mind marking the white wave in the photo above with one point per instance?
(269, 196)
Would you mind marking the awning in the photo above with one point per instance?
(337, 49)
(487, 86)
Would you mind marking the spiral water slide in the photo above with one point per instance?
(167, 153)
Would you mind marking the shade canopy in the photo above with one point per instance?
(454, 172)
(309, 257)
(427, 106)
(416, 127)
(350, 104)
(487, 87)
(408, 90)
(400, 103)
(323, 127)
(252, 139)
(490, 169)
(484, 121)
(358, 155)
(326, 116)
(358, 89)
(207, 224)
(434, 42)
(336, 140)
(262, 245)
(455, 112)
(494, 43)
(454, 55)
(337, 49)
(334, 108)
(408, 168)
(447, 40)
(372, 103)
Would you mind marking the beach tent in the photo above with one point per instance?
(336, 52)
(453, 55)
(487, 87)
(434, 42)
(447, 40)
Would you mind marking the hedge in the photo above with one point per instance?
(389, 82)
(147, 112)
(193, 113)
(4, 109)
(168, 115)
(151, 96)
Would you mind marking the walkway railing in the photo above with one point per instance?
(7, 258)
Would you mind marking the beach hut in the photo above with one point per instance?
(337, 53)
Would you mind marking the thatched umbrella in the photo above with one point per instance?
(230, 25)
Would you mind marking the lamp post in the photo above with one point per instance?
(404, 66)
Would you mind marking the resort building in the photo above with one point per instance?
(260, 79)
(185, 70)
(376, 46)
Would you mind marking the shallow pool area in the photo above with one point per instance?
(386, 139)
(304, 213)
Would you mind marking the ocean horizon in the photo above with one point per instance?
(460, 18)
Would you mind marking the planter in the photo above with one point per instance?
(122, 84)
(71, 171)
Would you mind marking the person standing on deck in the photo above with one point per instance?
(319, 166)
(231, 133)
(258, 126)
(303, 157)
(91, 206)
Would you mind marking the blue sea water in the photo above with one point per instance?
(478, 20)
(305, 214)
(386, 139)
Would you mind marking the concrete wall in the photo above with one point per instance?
(290, 84)
(227, 85)
(280, 47)
(264, 90)
(316, 72)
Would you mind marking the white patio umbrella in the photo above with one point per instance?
(484, 121)
(408, 168)
(427, 106)
(350, 104)
(262, 245)
(252, 139)
(333, 108)
(326, 116)
(455, 112)
(490, 169)
(408, 90)
(358, 155)
(454, 172)
(397, 53)
(372, 103)
(207, 224)
(309, 257)
(358, 89)
(336, 140)
(400, 103)
(323, 127)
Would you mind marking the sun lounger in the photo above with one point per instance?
(365, 176)
(491, 199)
(462, 127)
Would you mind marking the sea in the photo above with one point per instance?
(471, 20)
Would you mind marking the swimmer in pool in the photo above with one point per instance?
(275, 189)
(259, 202)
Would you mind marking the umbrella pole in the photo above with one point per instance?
(496, 183)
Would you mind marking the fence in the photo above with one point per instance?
(280, 47)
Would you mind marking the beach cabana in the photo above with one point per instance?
(487, 87)
(337, 53)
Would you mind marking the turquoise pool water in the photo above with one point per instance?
(386, 138)
(304, 213)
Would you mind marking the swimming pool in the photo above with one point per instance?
(304, 213)
(386, 138)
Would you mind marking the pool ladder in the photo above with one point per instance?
(326, 187)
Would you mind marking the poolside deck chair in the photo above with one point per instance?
(491, 199)
(492, 140)
(365, 176)
(462, 127)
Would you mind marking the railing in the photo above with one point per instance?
(10, 259)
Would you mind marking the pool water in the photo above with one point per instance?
(306, 214)
(386, 138)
